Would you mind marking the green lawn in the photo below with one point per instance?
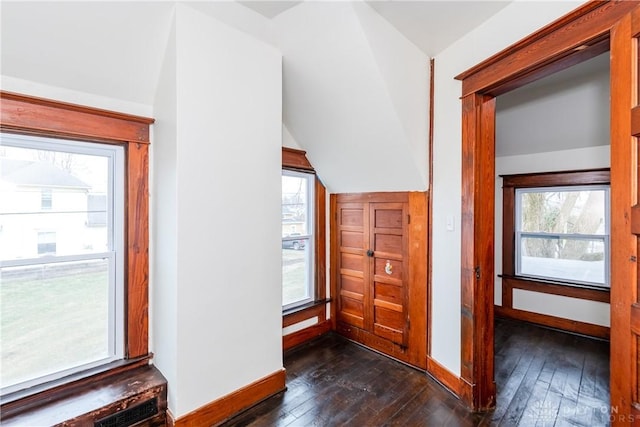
(293, 275)
(51, 324)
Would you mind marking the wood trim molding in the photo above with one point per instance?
(44, 116)
(227, 406)
(511, 283)
(548, 50)
(558, 178)
(333, 255)
(302, 336)
(295, 159)
(574, 326)
(444, 376)
(432, 69)
(418, 236)
(321, 240)
(477, 266)
(318, 310)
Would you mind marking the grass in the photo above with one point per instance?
(51, 324)
(293, 275)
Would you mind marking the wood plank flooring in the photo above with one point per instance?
(544, 378)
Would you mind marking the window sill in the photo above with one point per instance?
(24, 401)
(303, 307)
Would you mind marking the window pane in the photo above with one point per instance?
(52, 193)
(295, 208)
(295, 271)
(53, 317)
(567, 211)
(576, 260)
(61, 283)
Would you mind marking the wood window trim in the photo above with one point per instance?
(511, 281)
(533, 180)
(293, 159)
(555, 47)
(48, 118)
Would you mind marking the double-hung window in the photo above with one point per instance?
(298, 238)
(560, 232)
(62, 291)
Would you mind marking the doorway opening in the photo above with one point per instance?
(585, 33)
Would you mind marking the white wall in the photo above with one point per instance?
(362, 124)
(223, 164)
(512, 23)
(163, 224)
(571, 308)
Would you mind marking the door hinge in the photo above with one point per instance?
(408, 219)
(477, 270)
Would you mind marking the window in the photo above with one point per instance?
(46, 241)
(109, 253)
(46, 199)
(67, 290)
(297, 238)
(560, 232)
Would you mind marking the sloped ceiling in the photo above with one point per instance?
(340, 105)
(111, 49)
(567, 110)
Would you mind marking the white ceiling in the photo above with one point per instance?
(269, 9)
(431, 25)
(434, 25)
(115, 48)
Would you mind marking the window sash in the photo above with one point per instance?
(308, 237)
(520, 235)
(115, 243)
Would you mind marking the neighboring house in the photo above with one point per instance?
(34, 195)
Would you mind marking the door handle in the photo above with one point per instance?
(369, 253)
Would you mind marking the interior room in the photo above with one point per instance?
(211, 208)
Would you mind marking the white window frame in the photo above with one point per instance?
(116, 245)
(519, 234)
(309, 237)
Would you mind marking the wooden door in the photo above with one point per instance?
(388, 287)
(370, 232)
(625, 220)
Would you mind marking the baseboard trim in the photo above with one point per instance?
(306, 334)
(227, 406)
(569, 325)
(445, 377)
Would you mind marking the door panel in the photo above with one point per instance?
(352, 268)
(389, 247)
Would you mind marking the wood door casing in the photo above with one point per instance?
(625, 224)
(573, 38)
(379, 284)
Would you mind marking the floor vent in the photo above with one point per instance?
(130, 416)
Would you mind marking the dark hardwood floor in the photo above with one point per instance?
(544, 378)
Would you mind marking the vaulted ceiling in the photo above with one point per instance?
(355, 74)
